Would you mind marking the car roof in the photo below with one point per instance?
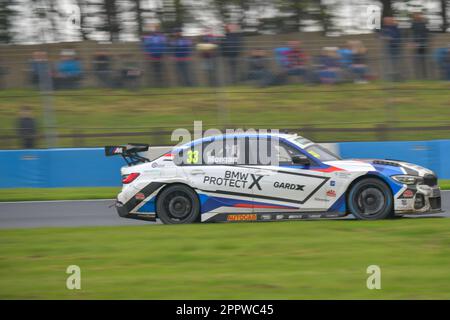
(243, 135)
(236, 135)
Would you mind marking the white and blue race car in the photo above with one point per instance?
(225, 178)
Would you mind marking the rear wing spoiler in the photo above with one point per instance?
(128, 152)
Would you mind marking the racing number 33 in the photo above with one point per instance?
(192, 157)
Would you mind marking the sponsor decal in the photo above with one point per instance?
(408, 193)
(266, 217)
(118, 150)
(332, 183)
(342, 174)
(331, 193)
(222, 160)
(404, 202)
(279, 216)
(322, 199)
(241, 217)
(235, 179)
(154, 165)
(139, 196)
(314, 216)
(295, 216)
(288, 186)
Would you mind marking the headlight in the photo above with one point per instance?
(406, 179)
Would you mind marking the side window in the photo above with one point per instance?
(262, 151)
(269, 151)
(217, 152)
(224, 152)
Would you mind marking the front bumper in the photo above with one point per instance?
(426, 200)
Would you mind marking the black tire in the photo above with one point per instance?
(370, 199)
(178, 204)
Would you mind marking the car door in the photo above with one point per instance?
(287, 187)
(215, 171)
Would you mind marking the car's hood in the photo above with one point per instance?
(393, 166)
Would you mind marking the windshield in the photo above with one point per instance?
(321, 153)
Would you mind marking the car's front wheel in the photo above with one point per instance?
(178, 204)
(370, 199)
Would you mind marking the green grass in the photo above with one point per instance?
(295, 106)
(444, 184)
(36, 194)
(31, 194)
(281, 260)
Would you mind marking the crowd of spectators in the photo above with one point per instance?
(222, 60)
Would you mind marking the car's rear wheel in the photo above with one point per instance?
(178, 204)
(370, 199)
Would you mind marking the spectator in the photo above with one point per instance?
(359, 61)
(393, 40)
(345, 55)
(182, 53)
(40, 73)
(282, 60)
(329, 66)
(345, 60)
(26, 128)
(420, 38)
(155, 46)
(296, 60)
(207, 48)
(68, 71)
(2, 73)
(257, 63)
(129, 72)
(447, 65)
(231, 46)
(102, 69)
(442, 57)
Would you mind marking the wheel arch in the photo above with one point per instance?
(366, 176)
(168, 185)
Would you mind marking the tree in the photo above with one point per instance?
(139, 13)
(444, 16)
(387, 10)
(48, 17)
(82, 6)
(172, 15)
(108, 13)
(7, 14)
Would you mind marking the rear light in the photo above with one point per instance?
(129, 177)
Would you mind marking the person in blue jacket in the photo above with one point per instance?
(182, 50)
(392, 37)
(68, 71)
(155, 47)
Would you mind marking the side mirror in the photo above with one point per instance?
(301, 159)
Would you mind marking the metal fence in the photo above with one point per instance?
(257, 70)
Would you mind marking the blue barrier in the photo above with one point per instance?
(81, 167)
(433, 154)
(88, 167)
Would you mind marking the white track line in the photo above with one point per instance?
(56, 201)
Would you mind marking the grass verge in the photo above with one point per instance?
(296, 106)
(281, 260)
(82, 193)
(41, 194)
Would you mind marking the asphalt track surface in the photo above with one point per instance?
(33, 214)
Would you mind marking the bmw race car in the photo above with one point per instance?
(266, 177)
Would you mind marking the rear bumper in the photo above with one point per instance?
(124, 212)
